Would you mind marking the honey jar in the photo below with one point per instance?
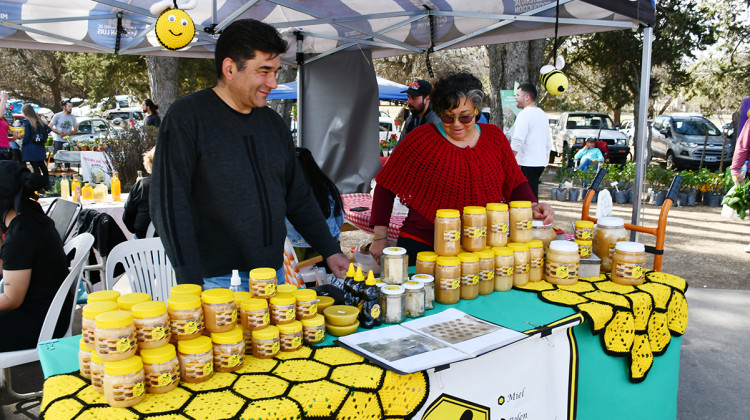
(219, 311)
(185, 316)
(314, 329)
(103, 295)
(84, 359)
(562, 263)
(97, 373)
(266, 342)
(585, 248)
(542, 232)
(186, 289)
(474, 222)
(229, 350)
(628, 263)
(286, 288)
(447, 280)
(290, 336)
(394, 265)
(88, 319)
(161, 369)
(609, 231)
(426, 262)
(415, 298)
(428, 282)
(126, 301)
(115, 336)
(123, 382)
(393, 303)
(504, 263)
(497, 224)
(520, 221)
(263, 282)
(521, 263)
(151, 324)
(486, 271)
(239, 297)
(282, 308)
(447, 232)
(584, 230)
(469, 275)
(196, 358)
(307, 303)
(254, 314)
(536, 259)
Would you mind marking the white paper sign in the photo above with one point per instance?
(95, 167)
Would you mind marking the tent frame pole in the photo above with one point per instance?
(640, 158)
(300, 84)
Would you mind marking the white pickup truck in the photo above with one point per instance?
(573, 128)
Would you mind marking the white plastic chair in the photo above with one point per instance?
(151, 231)
(69, 288)
(146, 265)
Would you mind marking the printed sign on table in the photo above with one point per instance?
(95, 167)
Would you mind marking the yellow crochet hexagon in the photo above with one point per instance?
(677, 313)
(608, 297)
(218, 381)
(401, 394)
(276, 409)
(641, 358)
(660, 293)
(642, 306)
(599, 313)
(620, 332)
(360, 406)
(336, 356)
(358, 376)
(57, 386)
(104, 413)
(577, 287)
(301, 370)
(536, 286)
(253, 365)
(563, 297)
(302, 353)
(214, 405)
(158, 403)
(658, 333)
(260, 386)
(612, 287)
(90, 396)
(318, 399)
(668, 279)
(63, 409)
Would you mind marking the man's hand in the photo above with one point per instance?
(338, 263)
(543, 211)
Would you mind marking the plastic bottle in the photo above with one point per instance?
(358, 288)
(100, 193)
(87, 192)
(369, 315)
(115, 186)
(76, 189)
(235, 281)
(65, 188)
(349, 285)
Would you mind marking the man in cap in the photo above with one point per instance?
(589, 156)
(419, 106)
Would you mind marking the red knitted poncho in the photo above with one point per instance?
(429, 173)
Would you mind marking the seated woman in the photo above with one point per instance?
(589, 156)
(33, 260)
(448, 165)
(135, 215)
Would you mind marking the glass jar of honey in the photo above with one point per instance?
(584, 229)
(415, 298)
(307, 303)
(474, 236)
(585, 248)
(254, 314)
(394, 265)
(486, 271)
(536, 260)
(542, 232)
(520, 221)
(229, 350)
(282, 308)
(428, 282)
(504, 265)
(469, 275)
(219, 311)
(151, 324)
(609, 231)
(314, 329)
(393, 304)
(123, 382)
(628, 263)
(426, 262)
(88, 319)
(521, 263)
(115, 336)
(266, 342)
(562, 263)
(290, 336)
(196, 358)
(161, 369)
(185, 316)
(447, 280)
(447, 232)
(263, 282)
(126, 301)
(497, 224)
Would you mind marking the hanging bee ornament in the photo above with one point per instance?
(174, 27)
(553, 79)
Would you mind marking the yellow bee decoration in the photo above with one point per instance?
(174, 27)
(553, 79)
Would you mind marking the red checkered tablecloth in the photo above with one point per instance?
(361, 219)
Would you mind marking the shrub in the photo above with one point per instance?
(125, 149)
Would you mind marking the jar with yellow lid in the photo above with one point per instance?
(229, 350)
(415, 298)
(151, 324)
(286, 288)
(307, 303)
(282, 308)
(263, 282)
(394, 265)
(219, 311)
(542, 232)
(447, 232)
(562, 263)
(585, 248)
(123, 382)
(97, 373)
(88, 319)
(115, 336)
(448, 280)
(426, 262)
(84, 359)
(628, 263)
(608, 231)
(584, 229)
(290, 336)
(536, 259)
(254, 314)
(126, 301)
(392, 304)
(486, 271)
(196, 358)
(186, 289)
(266, 342)
(161, 369)
(247, 335)
(241, 296)
(520, 221)
(186, 317)
(469, 275)
(521, 263)
(428, 282)
(314, 329)
(103, 295)
(474, 222)
(504, 263)
(497, 224)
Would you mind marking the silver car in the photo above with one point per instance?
(680, 141)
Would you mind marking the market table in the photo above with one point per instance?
(109, 206)
(361, 219)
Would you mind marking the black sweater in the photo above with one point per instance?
(136, 214)
(221, 185)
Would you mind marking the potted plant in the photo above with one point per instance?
(686, 195)
(628, 179)
(715, 187)
(659, 179)
(562, 176)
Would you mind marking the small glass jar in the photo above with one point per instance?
(307, 303)
(585, 248)
(266, 342)
(103, 295)
(426, 262)
(474, 222)
(126, 301)
(219, 310)
(88, 319)
(520, 221)
(84, 360)
(196, 358)
(628, 263)
(151, 324)
(282, 308)
(186, 289)
(536, 259)
(521, 263)
(542, 232)
(448, 280)
(562, 263)
(161, 369)
(486, 271)
(254, 314)
(115, 336)
(124, 383)
(428, 282)
(290, 336)
(229, 350)
(394, 265)
(97, 373)
(415, 298)
(393, 304)
(497, 224)
(263, 282)
(314, 329)
(469, 275)
(185, 316)
(609, 231)
(503, 268)
(286, 288)
(584, 229)
(447, 232)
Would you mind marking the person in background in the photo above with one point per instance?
(33, 260)
(5, 150)
(448, 165)
(31, 152)
(152, 118)
(742, 148)
(136, 215)
(63, 124)
(419, 107)
(589, 155)
(531, 140)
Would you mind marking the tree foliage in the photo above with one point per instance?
(107, 75)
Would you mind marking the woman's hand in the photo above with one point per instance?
(377, 247)
(543, 211)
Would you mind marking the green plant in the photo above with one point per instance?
(739, 199)
(658, 177)
(125, 149)
(627, 175)
(689, 181)
(563, 175)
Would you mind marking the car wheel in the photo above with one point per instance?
(670, 160)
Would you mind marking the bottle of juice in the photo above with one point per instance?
(348, 285)
(87, 192)
(115, 186)
(369, 316)
(65, 188)
(100, 193)
(76, 189)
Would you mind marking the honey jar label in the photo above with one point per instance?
(499, 228)
(504, 271)
(191, 327)
(449, 284)
(320, 334)
(522, 268)
(275, 347)
(536, 263)
(124, 344)
(157, 333)
(451, 235)
(234, 316)
(523, 225)
(475, 231)
(585, 252)
(139, 389)
(584, 234)
(165, 379)
(270, 289)
(296, 342)
(486, 275)
(289, 313)
(375, 312)
(266, 319)
(234, 360)
(208, 368)
(470, 280)
(561, 271)
(629, 271)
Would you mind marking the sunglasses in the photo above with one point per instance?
(463, 119)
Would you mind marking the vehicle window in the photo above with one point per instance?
(590, 121)
(100, 126)
(84, 127)
(138, 115)
(695, 127)
(121, 115)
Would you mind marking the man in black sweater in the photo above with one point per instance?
(225, 171)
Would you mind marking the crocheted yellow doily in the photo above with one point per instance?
(324, 382)
(633, 321)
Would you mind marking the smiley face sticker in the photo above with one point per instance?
(174, 29)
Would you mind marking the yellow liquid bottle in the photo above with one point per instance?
(87, 192)
(115, 186)
(65, 188)
(100, 193)
(75, 189)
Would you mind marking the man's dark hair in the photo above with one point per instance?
(242, 38)
(65, 102)
(530, 89)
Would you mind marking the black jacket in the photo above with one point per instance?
(136, 216)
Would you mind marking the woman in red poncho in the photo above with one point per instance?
(448, 165)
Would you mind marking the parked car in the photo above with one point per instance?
(574, 128)
(628, 128)
(90, 129)
(387, 125)
(680, 140)
(118, 117)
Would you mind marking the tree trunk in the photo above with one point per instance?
(162, 78)
(516, 64)
(536, 61)
(495, 55)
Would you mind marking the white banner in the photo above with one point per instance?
(95, 167)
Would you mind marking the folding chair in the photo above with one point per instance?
(65, 215)
(146, 265)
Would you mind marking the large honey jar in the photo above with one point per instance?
(448, 280)
(562, 263)
(229, 350)
(263, 282)
(161, 369)
(185, 316)
(521, 263)
(474, 221)
(123, 382)
(608, 231)
(520, 221)
(447, 232)
(196, 358)
(536, 259)
(219, 311)
(504, 267)
(497, 224)
(469, 275)
(151, 324)
(115, 336)
(628, 263)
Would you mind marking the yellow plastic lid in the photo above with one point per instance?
(371, 279)
(148, 309)
(468, 257)
(503, 251)
(229, 337)
(485, 253)
(584, 224)
(535, 243)
(316, 321)
(124, 367)
(290, 328)
(114, 319)
(158, 355)
(268, 333)
(127, 301)
(263, 273)
(518, 246)
(350, 272)
(83, 346)
(95, 358)
(103, 295)
(198, 345)
(91, 310)
(216, 296)
(423, 278)
(186, 289)
(283, 299)
(475, 210)
(242, 296)
(305, 295)
(497, 207)
(427, 256)
(448, 261)
(583, 242)
(520, 204)
(286, 288)
(447, 213)
(358, 276)
(254, 304)
(183, 302)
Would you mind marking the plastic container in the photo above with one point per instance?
(415, 298)
(84, 360)
(426, 262)
(497, 224)
(115, 336)
(609, 231)
(115, 187)
(536, 260)
(282, 308)
(100, 193)
(585, 248)
(520, 221)
(151, 324)
(448, 280)
(307, 303)
(88, 319)
(219, 311)
(584, 229)
(542, 232)
(87, 192)
(229, 350)
(196, 358)
(447, 232)
(97, 373)
(126, 301)
(286, 288)
(240, 297)
(290, 336)
(124, 382)
(474, 222)
(263, 282)
(103, 295)
(521, 263)
(628, 263)
(186, 317)
(266, 342)
(394, 265)
(161, 369)
(393, 304)
(469, 275)
(254, 314)
(428, 282)
(504, 263)
(186, 289)
(486, 271)
(562, 263)
(314, 329)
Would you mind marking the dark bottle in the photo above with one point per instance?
(369, 316)
(358, 286)
(349, 286)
